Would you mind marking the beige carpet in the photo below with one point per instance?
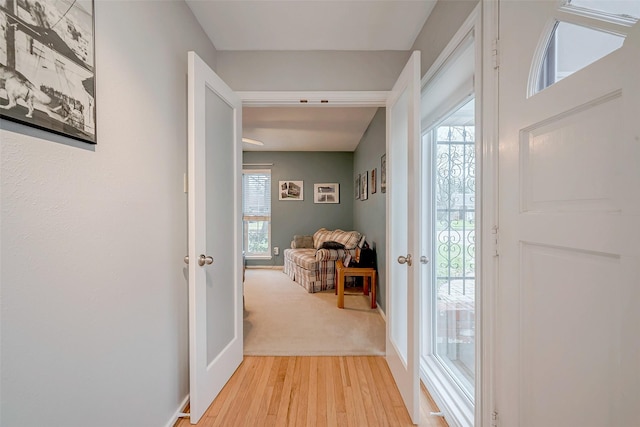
(282, 319)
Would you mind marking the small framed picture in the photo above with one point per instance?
(383, 173)
(356, 186)
(291, 190)
(326, 193)
(374, 172)
(364, 186)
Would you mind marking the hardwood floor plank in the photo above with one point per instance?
(321, 409)
(278, 384)
(378, 394)
(294, 399)
(259, 388)
(236, 413)
(389, 383)
(341, 391)
(366, 392)
(285, 400)
(234, 387)
(357, 403)
(384, 392)
(332, 413)
(303, 392)
(338, 385)
(312, 399)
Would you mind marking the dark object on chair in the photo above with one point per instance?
(332, 245)
(365, 257)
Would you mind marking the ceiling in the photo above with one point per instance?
(310, 25)
(305, 128)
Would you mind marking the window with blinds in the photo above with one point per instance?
(256, 213)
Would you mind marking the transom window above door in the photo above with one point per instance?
(583, 32)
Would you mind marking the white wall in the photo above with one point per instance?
(93, 291)
(314, 70)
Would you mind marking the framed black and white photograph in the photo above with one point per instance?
(291, 190)
(356, 186)
(383, 173)
(47, 66)
(374, 172)
(364, 186)
(326, 193)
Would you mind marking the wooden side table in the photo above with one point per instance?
(369, 281)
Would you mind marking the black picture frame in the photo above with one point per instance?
(47, 66)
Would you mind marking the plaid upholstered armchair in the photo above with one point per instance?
(311, 260)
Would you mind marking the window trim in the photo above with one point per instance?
(597, 17)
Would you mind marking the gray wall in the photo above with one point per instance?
(441, 26)
(94, 296)
(305, 217)
(316, 70)
(369, 216)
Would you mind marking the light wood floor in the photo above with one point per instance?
(313, 391)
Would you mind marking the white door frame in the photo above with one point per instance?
(485, 394)
(313, 98)
(486, 415)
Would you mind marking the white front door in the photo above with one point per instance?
(567, 343)
(215, 235)
(403, 296)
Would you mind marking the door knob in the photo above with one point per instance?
(424, 259)
(203, 259)
(403, 259)
(186, 259)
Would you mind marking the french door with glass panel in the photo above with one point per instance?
(449, 222)
(448, 306)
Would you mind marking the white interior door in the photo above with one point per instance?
(403, 296)
(569, 265)
(215, 235)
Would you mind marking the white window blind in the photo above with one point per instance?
(256, 212)
(256, 195)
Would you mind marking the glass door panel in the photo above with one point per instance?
(453, 292)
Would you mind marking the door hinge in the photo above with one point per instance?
(495, 53)
(494, 240)
(185, 183)
(494, 419)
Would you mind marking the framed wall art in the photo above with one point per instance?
(364, 185)
(47, 66)
(356, 186)
(291, 190)
(383, 173)
(326, 193)
(374, 172)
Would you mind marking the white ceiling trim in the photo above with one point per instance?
(314, 99)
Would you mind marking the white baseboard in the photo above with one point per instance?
(384, 316)
(264, 267)
(180, 410)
